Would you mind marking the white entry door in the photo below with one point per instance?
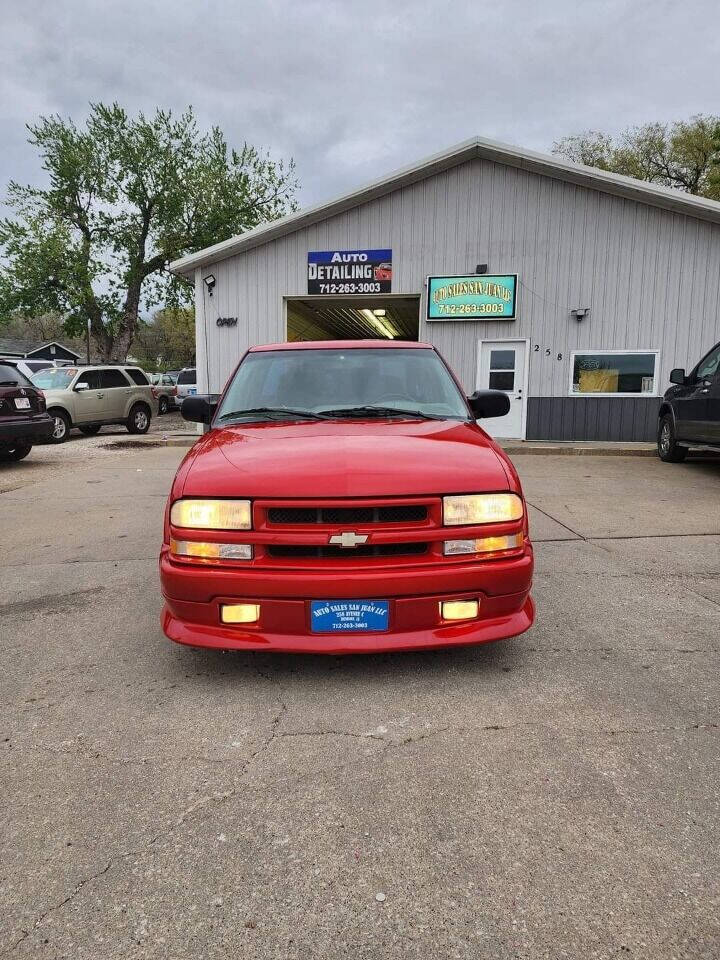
(502, 365)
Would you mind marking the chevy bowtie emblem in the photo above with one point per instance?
(348, 538)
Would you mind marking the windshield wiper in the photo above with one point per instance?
(274, 412)
(373, 411)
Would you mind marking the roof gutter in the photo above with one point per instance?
(549, 166)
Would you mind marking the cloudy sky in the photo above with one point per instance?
(352, 90)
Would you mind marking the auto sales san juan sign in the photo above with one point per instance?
(350, 271)
(477, 297)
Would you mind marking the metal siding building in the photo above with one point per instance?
(645, 260)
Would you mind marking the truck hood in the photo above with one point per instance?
(341, 459)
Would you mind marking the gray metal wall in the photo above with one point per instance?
(592, 418)
(650, 277)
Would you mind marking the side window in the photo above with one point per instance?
(91, 378)
(709, 365)
(138, 376)
(112, 378)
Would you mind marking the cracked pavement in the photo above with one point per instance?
(552, 796)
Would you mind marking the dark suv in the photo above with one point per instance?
(690, 411)
(23, 420)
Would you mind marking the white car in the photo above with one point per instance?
(186, 384)
(29, 367)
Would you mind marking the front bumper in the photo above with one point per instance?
(194, 595)
(27, 429)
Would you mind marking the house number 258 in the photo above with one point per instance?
(548, 351)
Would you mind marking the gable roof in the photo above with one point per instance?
(12, 347)
(52, 343)
(475, 148)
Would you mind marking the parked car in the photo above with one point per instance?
(186, 383)
(27, 367)
(173, 374)
(93, 396)
(690, 412)
(345, 500)
(164, 391)
(23, 419)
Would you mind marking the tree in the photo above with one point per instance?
(681, 155)
(41, 328)
(168, 341)
(126, 196)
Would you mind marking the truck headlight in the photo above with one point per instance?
(212, 514)
(481, 508)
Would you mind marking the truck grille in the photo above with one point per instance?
(402, 513)
(296, 533)
(378, 550)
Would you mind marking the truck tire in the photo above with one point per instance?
(163, 405)
(62, 426)
(668, 448)
(138, 420)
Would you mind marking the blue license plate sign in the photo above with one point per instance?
(357, 616)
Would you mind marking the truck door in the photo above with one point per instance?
(695, 403)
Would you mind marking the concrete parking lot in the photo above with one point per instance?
(557, 795)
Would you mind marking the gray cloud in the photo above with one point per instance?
(353, 90)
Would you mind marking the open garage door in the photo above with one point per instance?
(353, 318)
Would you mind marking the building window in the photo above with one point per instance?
(614, 373)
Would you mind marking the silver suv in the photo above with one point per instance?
(90, 397)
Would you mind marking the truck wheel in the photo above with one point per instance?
(90, 431)
(18, 452)
(668, 448)
(162, 405)
(139, 419)
(61, 427)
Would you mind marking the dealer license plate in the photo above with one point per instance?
(356, 616)
(22, 403)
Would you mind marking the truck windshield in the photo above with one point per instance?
(344, 383)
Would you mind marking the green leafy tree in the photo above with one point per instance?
(126, 196)
(681, 155)
(167, 342)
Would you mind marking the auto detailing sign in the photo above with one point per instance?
(350, 271)
(477, 297)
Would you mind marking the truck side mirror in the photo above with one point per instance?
(489, 403)
(199, 409)
(677, 375)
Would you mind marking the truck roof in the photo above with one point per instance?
(342, 345)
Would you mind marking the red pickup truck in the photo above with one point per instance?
(343, 500)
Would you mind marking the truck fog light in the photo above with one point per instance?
(512, 541)
(459, 609)
(240, 612)
(197, 550)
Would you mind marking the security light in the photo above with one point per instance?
(580, 313)
(209, 282)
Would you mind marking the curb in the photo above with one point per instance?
(564, 451)
(513, 451)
